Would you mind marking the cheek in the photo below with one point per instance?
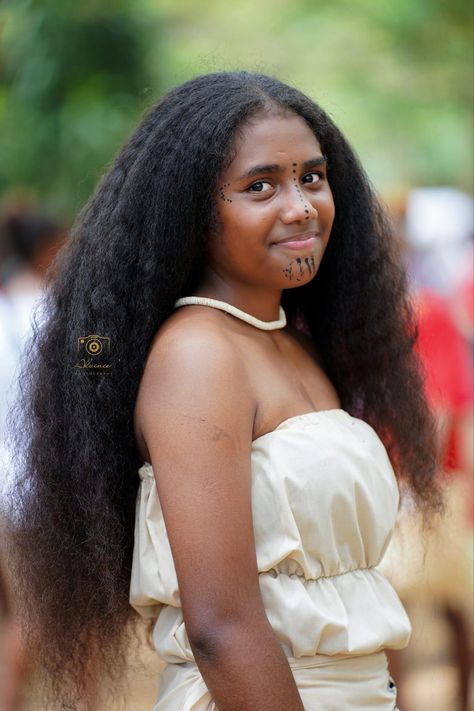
(324, 203)
(226, 222)
(251, 219)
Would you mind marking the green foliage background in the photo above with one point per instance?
(76, 77)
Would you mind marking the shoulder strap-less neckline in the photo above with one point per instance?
(306, 415)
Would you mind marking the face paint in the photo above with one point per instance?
(301, 268)
(222, 194)
(298, 262)
(298, 190)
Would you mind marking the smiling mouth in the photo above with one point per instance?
(298, 241)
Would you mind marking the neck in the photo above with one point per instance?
(258, 301)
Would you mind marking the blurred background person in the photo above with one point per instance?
(440, 239)
(29, 241)
(433, 572)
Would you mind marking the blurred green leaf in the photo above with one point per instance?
(75, 77)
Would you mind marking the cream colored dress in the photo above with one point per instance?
(324, 502)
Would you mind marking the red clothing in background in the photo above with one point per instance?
(446, 358)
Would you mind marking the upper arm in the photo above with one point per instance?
(198, 428)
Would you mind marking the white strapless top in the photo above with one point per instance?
(324, 503)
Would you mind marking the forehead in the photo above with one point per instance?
(274, 139)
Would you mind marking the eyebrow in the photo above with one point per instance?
(276, 168)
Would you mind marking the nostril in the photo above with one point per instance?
(296, 206)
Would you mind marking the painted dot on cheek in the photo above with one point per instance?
(222, 194)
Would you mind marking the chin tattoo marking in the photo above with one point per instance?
(298, 190)
(298, 268)
(222, 194)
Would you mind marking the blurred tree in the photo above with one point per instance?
(74, 77)
(396, 76)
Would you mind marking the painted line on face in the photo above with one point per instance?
(297, 269)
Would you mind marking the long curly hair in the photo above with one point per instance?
(138, 246)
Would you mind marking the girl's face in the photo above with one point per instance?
(275, 206)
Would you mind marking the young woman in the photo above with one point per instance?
(208, 410)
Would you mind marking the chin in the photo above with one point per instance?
(296, 284)
(300, 269)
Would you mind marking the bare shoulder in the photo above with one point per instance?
(183, 327)
(196, 346)
(195, 376)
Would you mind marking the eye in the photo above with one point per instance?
(313, 178)
(261, 186)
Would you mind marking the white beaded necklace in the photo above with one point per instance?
(234, 311)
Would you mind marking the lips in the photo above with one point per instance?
(302, 241)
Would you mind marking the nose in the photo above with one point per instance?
(296, 207)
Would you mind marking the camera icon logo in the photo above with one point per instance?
(93, 345)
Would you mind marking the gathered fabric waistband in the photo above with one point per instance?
(323, 660)
(374, 660)
(318, 660)
(323, 682)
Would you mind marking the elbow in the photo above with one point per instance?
(214, 639)
(206, 645)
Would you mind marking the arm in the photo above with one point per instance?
(198, 430)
